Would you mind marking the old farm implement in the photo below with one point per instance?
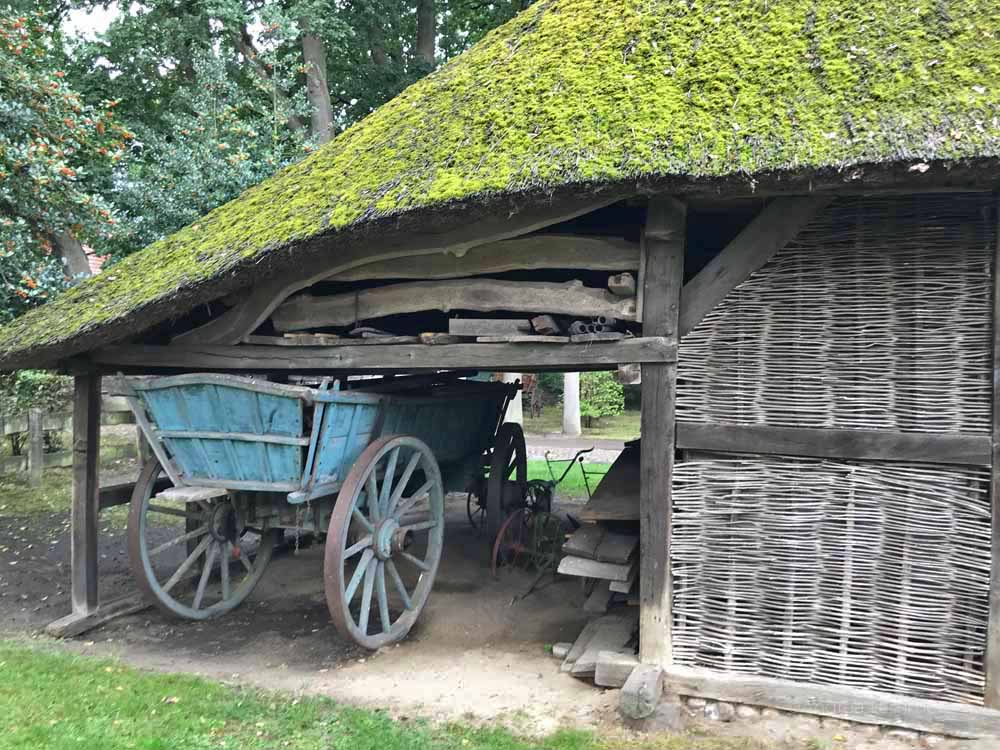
(238, 461)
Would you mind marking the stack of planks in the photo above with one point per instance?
(605, 650)
(606, 547)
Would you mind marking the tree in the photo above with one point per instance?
(601, 395)
(56, 158)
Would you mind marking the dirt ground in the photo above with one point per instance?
(475, 654)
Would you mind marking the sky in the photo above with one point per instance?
(90, 23)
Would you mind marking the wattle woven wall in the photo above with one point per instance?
(869, 574)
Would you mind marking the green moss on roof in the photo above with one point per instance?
(576, 91)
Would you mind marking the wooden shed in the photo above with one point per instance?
(807, 195)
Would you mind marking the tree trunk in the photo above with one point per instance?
(317, 88)
(571, 404)
(74, 257)
(426, 32)
(244, 43)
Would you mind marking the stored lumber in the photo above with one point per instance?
(322, 339)
(581, 566)
(611, 633)
(439, 339)
(583, 542)
(596, 338)
(85, 492)
(484, 295)
(595, 542)
(991, 660)
(769, 232)
(622, 285)
(234, 324)
(665, 241)
(580, 644)
(825, 442)
(613, 668)
(597, 602)
(530, 252)
(546, 325)
(500, 357)
(642, 691)
(625, 587)
(848, 703)
(531, 338)
(617, 496)
(488, 326)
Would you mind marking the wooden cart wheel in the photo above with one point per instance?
(509, 466)
(384, 542)
(197, 560)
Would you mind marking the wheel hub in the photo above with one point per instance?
(390, 539)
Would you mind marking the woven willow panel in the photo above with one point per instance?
(876, 316)
(871, 575)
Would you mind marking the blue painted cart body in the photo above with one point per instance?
(241, 434)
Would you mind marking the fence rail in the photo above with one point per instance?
(33, 425)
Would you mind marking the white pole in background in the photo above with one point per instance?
(515, 409)
(571, 404)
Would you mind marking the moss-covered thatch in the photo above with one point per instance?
(588, 91)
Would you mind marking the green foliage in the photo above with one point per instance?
(552, 384)
(56, 153)
(601, 395)
(29, 389)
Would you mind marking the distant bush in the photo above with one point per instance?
(601, 395)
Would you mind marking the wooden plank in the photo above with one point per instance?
(625, 587)
(306, 311)
(488, 326)
(580, 566)
(319, 339)
(120, 493)
(580, 644)
(86, 501)
(991, 660)
(597, 602)
(190, 494)
(583, 542)
(848, 703)
(531, 338)
(527, 253)
(439, 339)
(613, 668)
(769, 232)
(611, 633)
(36, 447)
(595, 542)
(78, 623)
(617, 496)
(942, 448)
(510, 357)
(596, 338)
(234, 324)
(665, 241)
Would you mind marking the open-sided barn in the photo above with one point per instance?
(807, 195)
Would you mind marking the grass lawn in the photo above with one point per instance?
(623, 427)
(572, 485)
(57, 701)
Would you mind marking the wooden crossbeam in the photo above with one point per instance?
(769, 232)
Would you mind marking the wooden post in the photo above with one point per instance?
(991, 660)
(86, 455)
(36, 447)
(663, 276)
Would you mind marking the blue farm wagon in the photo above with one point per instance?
(239, 461)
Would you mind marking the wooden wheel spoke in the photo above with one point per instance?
(354, 549)
(364, 522)
(397, 493)
(186, 565)
(412, 500)
(371, 492)
(386, 490)
(206, 573)
(224, 568)
(366, 596)
(415, 561)
(383, 599)
(359, 573)
(194, 534)
(397, 581)
(243, 558)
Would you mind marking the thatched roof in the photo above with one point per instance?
(574, 95)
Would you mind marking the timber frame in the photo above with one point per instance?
(668, 308)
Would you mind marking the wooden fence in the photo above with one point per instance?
(33, 425)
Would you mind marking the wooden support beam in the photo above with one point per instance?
(86, 483)
(483, 295)
(825, 442)
(664, 242)
(403, 357)
(527, 253)
(769, 232)
(242, 320)
(848, 703)
(36, 447)
(991, 660)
